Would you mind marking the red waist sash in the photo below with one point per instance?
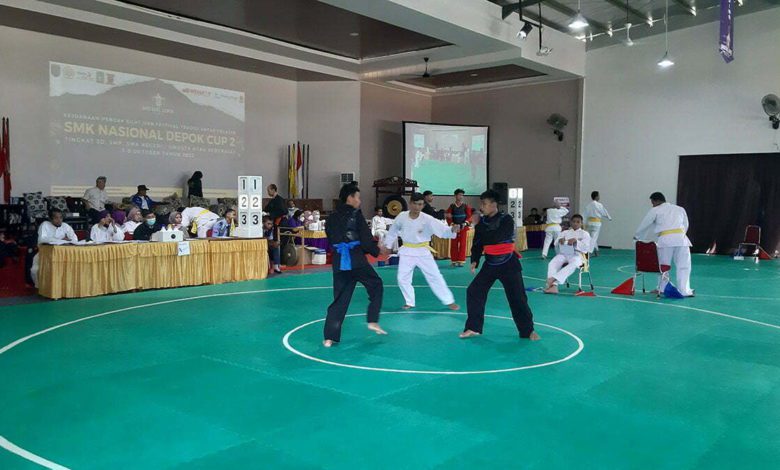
(501, 249)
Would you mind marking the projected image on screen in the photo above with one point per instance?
(443, 158)
(98, 114)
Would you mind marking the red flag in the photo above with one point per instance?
(5, 156)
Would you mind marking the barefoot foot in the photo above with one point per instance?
(534, 336)
(468, 334)
(376, 329)
(327, 343)
(551, 290)
(453, 306)
(407, 307)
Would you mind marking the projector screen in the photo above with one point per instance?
(442, 158)
(101, 117)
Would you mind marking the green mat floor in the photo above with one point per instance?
(200, 378)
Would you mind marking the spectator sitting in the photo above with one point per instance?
(293, 222)
(291, 208)
(226, 226)
(106, 230)
(141, 200)
(174, 223)
(133, 220)
(52, 232)
(274, 251)
(145, 230)
(533, 218)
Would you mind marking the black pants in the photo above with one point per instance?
(344, 283)
(511, 276)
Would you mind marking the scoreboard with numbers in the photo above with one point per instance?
(250, 207)
(515, 204)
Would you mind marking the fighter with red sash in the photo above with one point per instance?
(494, 237)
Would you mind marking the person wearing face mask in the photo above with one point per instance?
(147, 228)
(52, 232)
(134, 219)
(106, 230)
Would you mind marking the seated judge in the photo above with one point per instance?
(133, 220)
(174, 223)
(428, 207)
(141, 200)
(226, 226)
(567, 261)
(106, 230)
(533, 218)
(52, 232)
(149, 226)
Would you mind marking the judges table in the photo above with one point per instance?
(68, 271)
(442, 245)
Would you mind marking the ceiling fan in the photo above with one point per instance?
(426, 74)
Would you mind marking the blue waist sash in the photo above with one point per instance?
(343, 250)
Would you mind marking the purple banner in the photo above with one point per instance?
(727, 30)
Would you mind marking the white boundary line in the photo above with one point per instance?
(14, 449)
(286, 343)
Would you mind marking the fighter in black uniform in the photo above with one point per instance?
(495, 235)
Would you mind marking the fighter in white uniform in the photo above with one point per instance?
(201, 220)
(415, 229)
(594, 212)
(568, 260)
(553, 228)
(669, 223)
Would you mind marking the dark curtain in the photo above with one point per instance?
(725, 193)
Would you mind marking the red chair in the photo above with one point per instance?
(647, 262)
(752, 241)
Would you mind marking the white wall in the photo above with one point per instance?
(523, 150)
(639, 119)
(382, 110)
(329, 121)
(271, 110)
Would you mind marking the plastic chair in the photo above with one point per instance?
(584, 269)
(752, 240)
(647, 262)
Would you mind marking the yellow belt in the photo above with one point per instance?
(594, 219)
(669, 232)
(420, 245)
(551, 225)
(194, 229)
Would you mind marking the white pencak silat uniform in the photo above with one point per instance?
(669, 223)
(413, 231)
(594, 212)
(563, 266)
(112, 233)
(204, 219)
(49, 234)
(379, 226)
(553, 227)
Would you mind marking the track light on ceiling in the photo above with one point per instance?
(628, 42)
(525, 30)
(579, 21)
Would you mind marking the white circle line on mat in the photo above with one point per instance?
(286, 343)
(25, 454)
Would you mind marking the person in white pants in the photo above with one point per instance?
(574, 243)
(552, 230)
(200, 219)
(379, 224)
(669, 223)
(415, 229)
(594, 212)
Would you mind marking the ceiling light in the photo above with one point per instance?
(628, 41)
(579, 21)
(354, 34)
(525, 30)
(740, 2)
(544, 51)
(474, 74)
(666, 61)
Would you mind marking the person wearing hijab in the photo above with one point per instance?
(195, 185)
